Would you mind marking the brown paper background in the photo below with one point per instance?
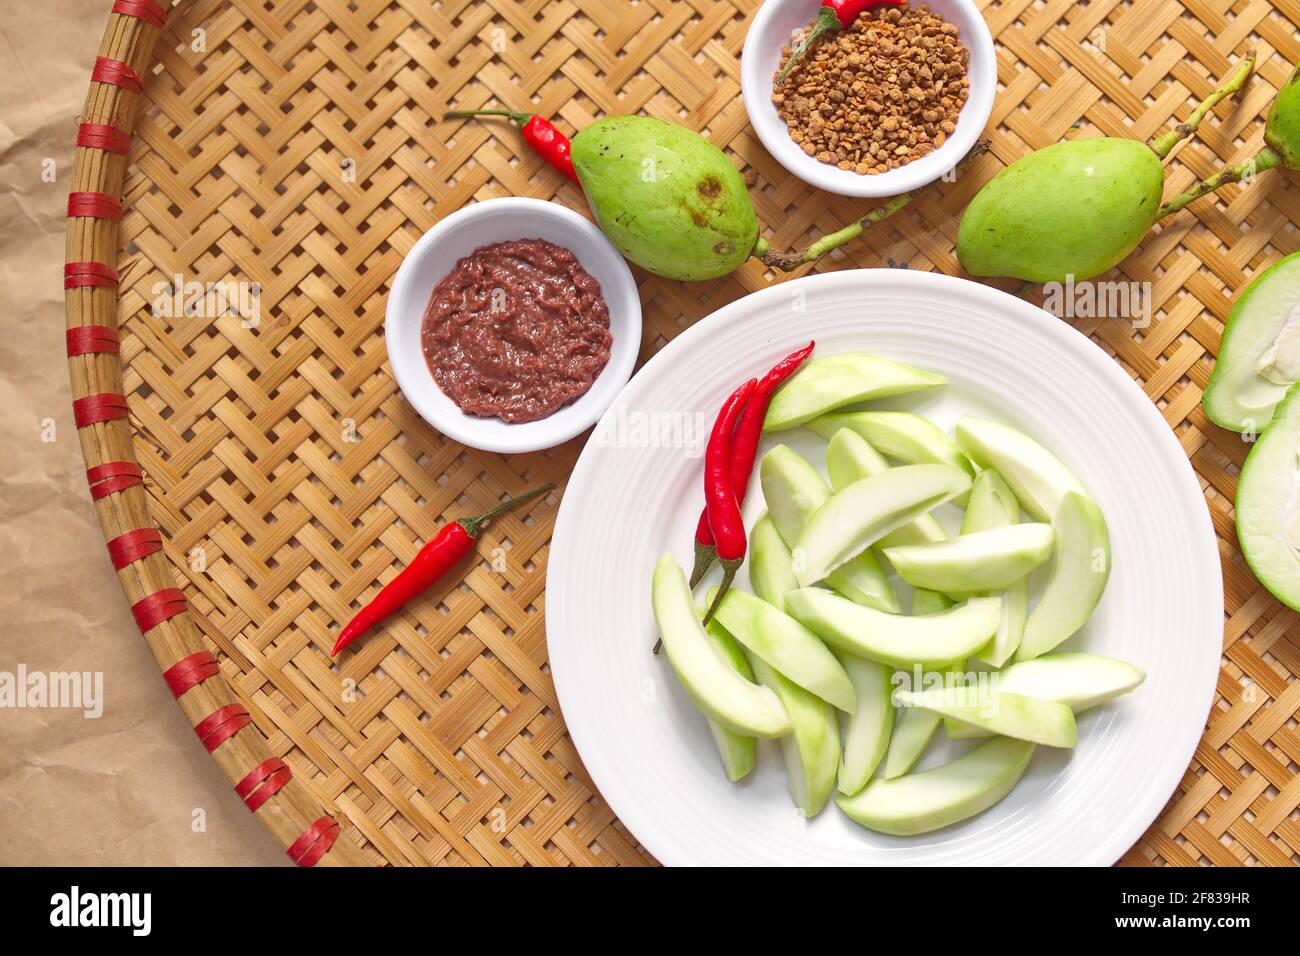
(125, 788)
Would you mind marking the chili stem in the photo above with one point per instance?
(828, 21)
(788, 262)
(1165, 142)
(1265, 159)
(519, 119)
(475, 524)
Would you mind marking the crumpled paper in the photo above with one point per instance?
(133, 786)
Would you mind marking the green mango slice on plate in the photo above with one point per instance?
(839, 380)
(993, 505)
(904, 436)
(933, 641)
(864, 512)
(1036, 475)
(787, 645)
(738, 752)
(867, 731)
(850, 458)
(794, 490)
(1080, 571)
(989, 560)
(812, 749)
(1010, 715)
(771, 573)
(922, 802)
(1259, 357)
(717, 689)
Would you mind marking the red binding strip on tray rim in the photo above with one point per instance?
(104, 407)
(88, 339)
(112, 476)
(101, 136)
(76, 274)
(263, 782)
(116, 73)
(146, 10)
(189, 672)
(315, 842)
(222, 724)
(93, 206)
(158, 607)
(128, 548)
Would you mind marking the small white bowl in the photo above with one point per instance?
(776, 20)
(436, 253)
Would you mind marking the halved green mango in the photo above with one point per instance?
(838, 380)
(738, 751)
(866, 733)
(1268, 516)
(1011, 715)
(993, 505)
(983, 561)
(1259, 356)
(812, 751)
(903, 436)
(932, 641)
(850, 458)
(716, 688)
(864, 512)
(1036, 476)
(1080, 681)
(921, 802)
(787, 645)
(794, 490)
(1079, 575)
(770, 572)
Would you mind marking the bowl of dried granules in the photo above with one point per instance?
(879, 106)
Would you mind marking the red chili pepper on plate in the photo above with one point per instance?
(720, 494)
(834, 15)
(434, 560)
(541, 134)
(744, 450)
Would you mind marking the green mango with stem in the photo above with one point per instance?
(1079, 208)
(674, 204)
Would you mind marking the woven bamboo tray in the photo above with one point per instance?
(297, 145)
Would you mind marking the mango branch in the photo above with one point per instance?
(1265, 159)
(1165, 142)
(789, 261)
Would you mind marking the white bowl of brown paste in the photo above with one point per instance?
(512, 325)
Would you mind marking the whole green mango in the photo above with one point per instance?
(1074, 208)
(1282, 129)
(667, 198)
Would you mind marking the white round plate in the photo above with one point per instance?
(635, 494)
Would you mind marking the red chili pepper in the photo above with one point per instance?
(720, 500)
(539, 133)
(744, 451)
(435, 559)
(833, 16)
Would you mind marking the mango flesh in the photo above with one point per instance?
(1282, 129)
(669, 200)
(1075, 208)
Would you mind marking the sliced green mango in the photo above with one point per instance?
(838, 380)
(787, 645)
(914, 727)
(983, 561)
(794, 490)
(1036, 476)
(1259, 357)
(929, 602)
(933, 641)
(738, 751)
(993, 505)
(771, 574)
(1268, 516)
(1079, 575)
(716, 688)
(866, 734)
(850, 458)
(956, 791)
(903, 436)
(1011, 715)
(864, 512)
(812, 751)
(1080, 681)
